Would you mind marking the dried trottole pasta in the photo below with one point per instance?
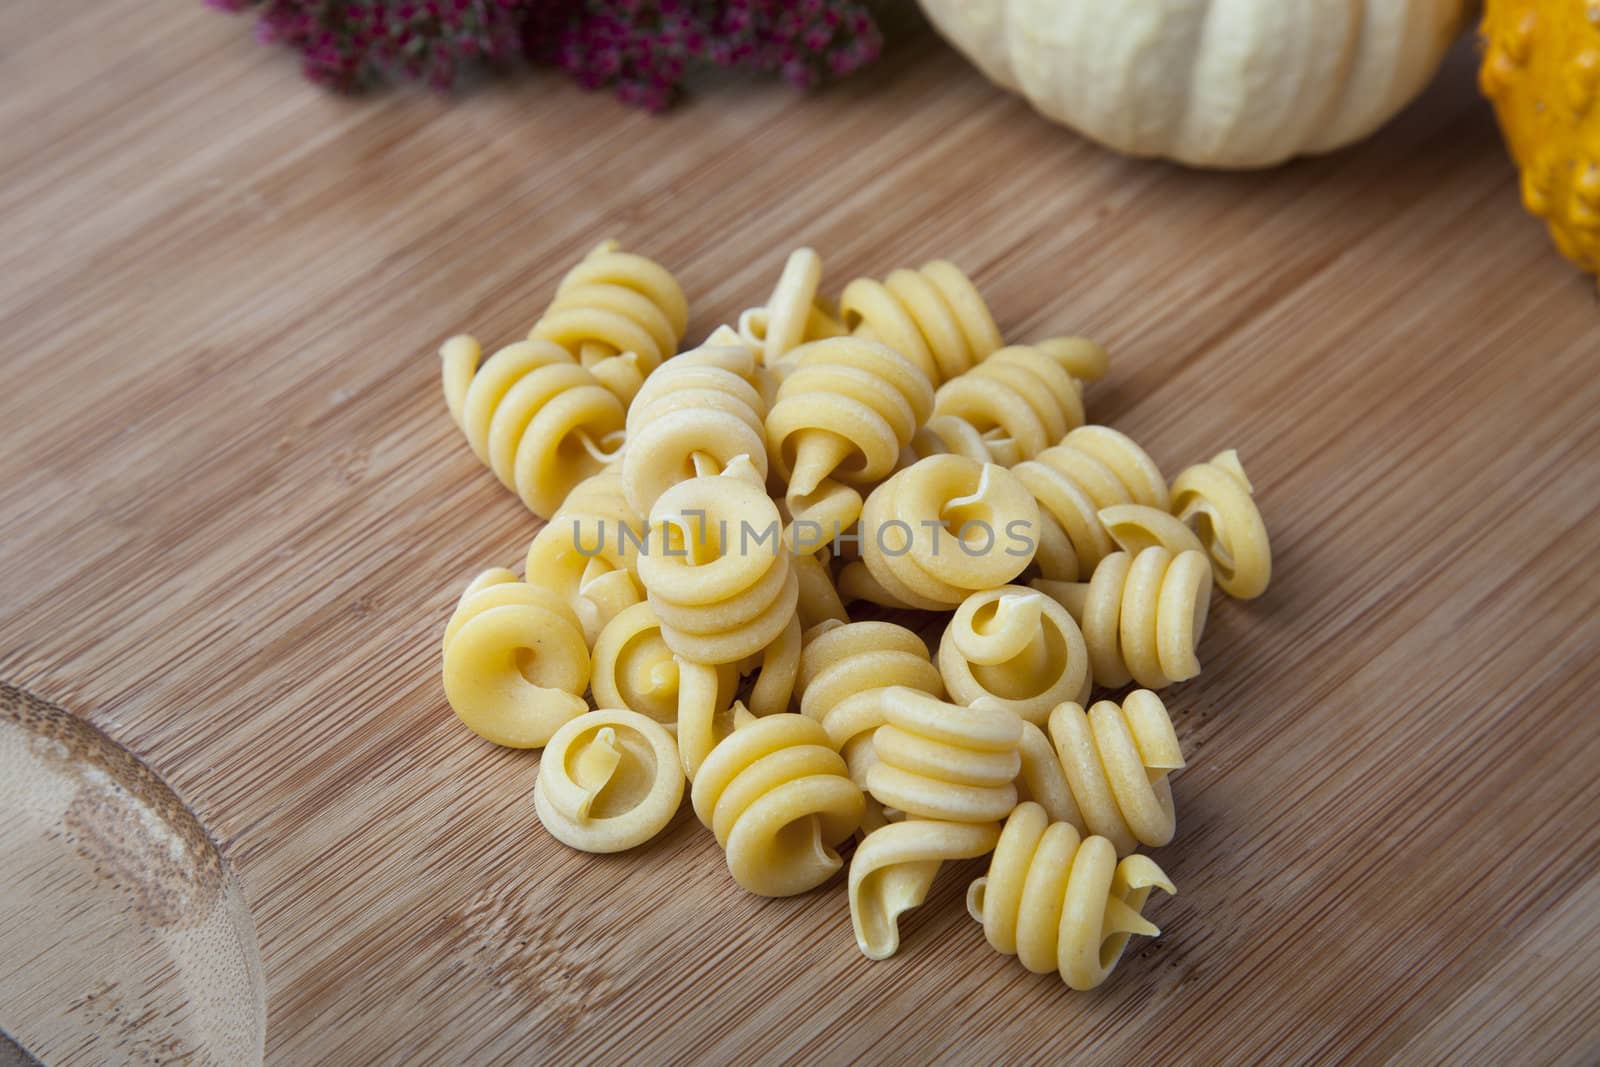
(1017, 647)
(1216, 497)
(717, 519)
(779, 799)
(1061, 902)
(608, 780)
(720, 596)
(943, 528)
(692, 417)
(540, 421)
(1020, 401)
(619, 314)
(1105, 770)
(515, 662)
(843, 413)
(933, 316)
(1141, 615)
(1093, 467)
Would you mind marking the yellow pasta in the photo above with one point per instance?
(515, 662)
(619, 314)
(1135, 527)
(845, 670)
(1216, 497)
(1094, 467)
(1107, 772)
(692, 417)
(535, 417)
(634, 669)
(588, 552)
(793, 314)
(943, 528)
(1020, 401)
(943, 761)
(716, 574)
(778, 799)
(933, 316)
(844, 411)
(819, 600)
(1017, 647)
(893, 868)
(1061, 902)
(1142, 615)
(608, 780)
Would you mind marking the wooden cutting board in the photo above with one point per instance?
(236, 517)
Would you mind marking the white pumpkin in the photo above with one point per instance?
(1211, 83)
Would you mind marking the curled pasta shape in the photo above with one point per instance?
(1142, 615)
(1020, 401)
(778, 799)
(893, 868)
(1017, 647)
(1094, 467)
(933, 316)
(793, 314)
(588, 552)
(1135, 527)
(515, 662)
(634, 669)
(608, 780)
(537, 419)
(619, 314)
(1107, 773)
(1062, 902)
(844, 411)
(716, 573)
(943, 528)
(1216, 497)
(845, 670)
(692, 417)
(943, 761)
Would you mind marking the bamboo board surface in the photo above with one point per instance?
(236, 517)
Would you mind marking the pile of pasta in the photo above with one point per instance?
(730, 532)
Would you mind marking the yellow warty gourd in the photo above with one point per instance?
(1541, 69)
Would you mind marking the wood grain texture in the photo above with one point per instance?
(236, 517)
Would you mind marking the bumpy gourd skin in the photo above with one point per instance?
(1541, 69)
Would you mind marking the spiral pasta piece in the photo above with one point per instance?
(843, 413)
(845, 670)
(718, 578)
(943, 761)
(933, 316)
(692, 417)
(778, 799)
(1061, 902)
(1106, 773)
(793, 314)
(1020, 401)
(1135, 527)
(943, 528)
(1142, 615)
(1094, 467)
(1216, 498)
(1017, 647)
(537, 419)
(515, 662)
(608, 780)
(893, 868)
(588, 552)
(619, 314)
(634, 669)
